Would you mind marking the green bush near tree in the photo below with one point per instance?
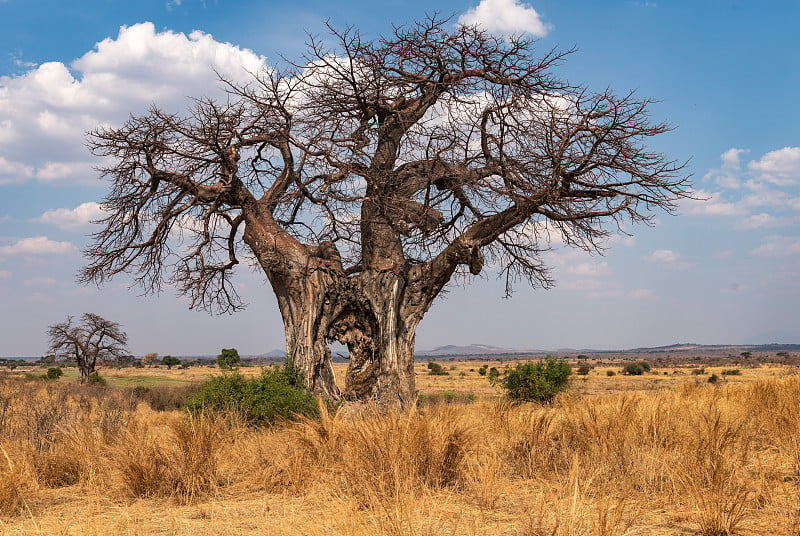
(54, 373)
(278, 393)
(538, 381)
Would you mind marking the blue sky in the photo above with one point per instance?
(725, 73)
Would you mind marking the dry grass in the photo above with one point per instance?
(677, 459)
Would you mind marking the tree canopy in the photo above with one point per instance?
(363, 179)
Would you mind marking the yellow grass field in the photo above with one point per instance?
(658, 454)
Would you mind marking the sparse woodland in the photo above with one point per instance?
(693, 458)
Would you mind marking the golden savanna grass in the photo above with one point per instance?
(674, 457)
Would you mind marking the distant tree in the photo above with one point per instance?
(149, 360)
(365, 179)
(228, 358)
(170, 361)
(87, 341)
(636, 369)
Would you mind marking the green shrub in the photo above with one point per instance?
(698, 371)
(275, 394)
(713, 378)
(493, 375)
(482, 370)
(636, 369)
(54, 373)
(537, 381)
(435, 369)
(583, 370)
(95, 379)
(732, 372)
(610, 373)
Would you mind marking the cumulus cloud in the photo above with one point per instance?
(37, 245)
(663, 256)
(506, 17)
(781, 167)
(54, 104)
(778, 246)
(762, 193)
(79, 217)
(11, 172)
(763, 221)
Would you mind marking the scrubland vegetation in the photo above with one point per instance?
(654, 454)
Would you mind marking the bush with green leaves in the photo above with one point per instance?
(54, 373)
(228, 359)
(538, 381)
(636, 369)
(278, 393)
(170, 361)
(435, 369)
(95, 379)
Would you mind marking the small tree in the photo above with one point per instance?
(93, 338)
(537, 381)
(228, 358)
(170, 361)
(149, 359)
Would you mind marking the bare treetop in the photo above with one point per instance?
(86, 341)
(418, 154)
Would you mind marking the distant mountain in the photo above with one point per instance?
(472, 349)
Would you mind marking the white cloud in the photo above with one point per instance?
(11, 172)
(37, 245)
(778, 246)
(730, 159)
(76, 218)
(506, 17)
(5, 274)
(54, 104)
(665, 256)
(781, 167)
(762, 221)
(588, 268)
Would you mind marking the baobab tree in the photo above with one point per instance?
(86, 341)
(363, 179)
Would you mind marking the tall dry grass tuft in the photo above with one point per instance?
(17, 485)
(713, 467)
(390, 454)
(178, 460)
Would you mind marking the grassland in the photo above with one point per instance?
(665, 453)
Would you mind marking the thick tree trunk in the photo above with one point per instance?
(86, 368)
(364, 312)
(306, 347)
